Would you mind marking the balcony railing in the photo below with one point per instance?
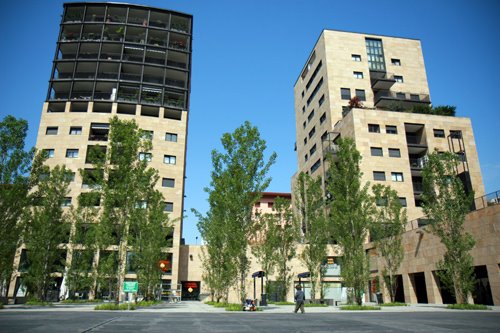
(487, 200)
(418, 163)
(384, 98)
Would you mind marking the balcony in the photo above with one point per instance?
(418, 162)
(381, 80)
(406, 100)
(418, 188)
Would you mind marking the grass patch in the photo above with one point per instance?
(394, 304)
(359, 307)
(110, 306)
(38, 303)
(467, 307)
(282, 303)
(147, 303)
(80, 301)
(233, 307)
(315, 305)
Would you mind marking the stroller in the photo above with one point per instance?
(249, 305)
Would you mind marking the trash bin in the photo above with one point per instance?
(380, 299)
(263, 300)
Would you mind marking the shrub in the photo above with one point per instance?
(467, 307)
(315, 305)
(39, 303)
(233, 307)
(80, 301)
(282, 303)
(111, 306)
(359, 307)
(147, 303)
(393, 304)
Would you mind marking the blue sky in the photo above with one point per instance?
(248, 54)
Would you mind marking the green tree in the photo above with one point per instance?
(46, 230)
(238, 179)
(350, 215)
(276, 236)
(132, 213)
(388, 226)
(15, 164)
(311, 215)
(446, 204)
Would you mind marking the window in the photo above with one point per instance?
(141, 204)
(438, 133)
(147, 135)
(257, 204)
(171, 137)
(306, 158)
(397, 176)
(376, 151)
(455, 134)
(315, 166)
(360, 93)
(321, 100)
(70, 176)
(313, 76)
(49, 152)
(168, 182)
(310, 116)
(315, 91)
(305, 141)
(303, 109)
(415, 97)
(169, 207)
(302, 93)
(66, 202)
(390, 129)
(398, 78)
(373, 128)
(355, 57)
(312, 132)
(375, 53)
(402, 201)
(304, 125)
(312, 150)
(72, 153)
(75, 130)
(394, 152)
(396, 62)
(145, 157)
(322, 118)
(400, 95)
(51, 130)
(324, 136)
(379, 175)
(270, 204)
(169, 159)
(357, 75)
(345, 93)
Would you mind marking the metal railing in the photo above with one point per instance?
(487, 200)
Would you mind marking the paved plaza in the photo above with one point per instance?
(198, 317)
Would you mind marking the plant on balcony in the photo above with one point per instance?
(355, 103)
(444, 110)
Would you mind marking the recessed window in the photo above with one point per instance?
(375, 54)
(397, 176)
(324, 136)
(75, 130)
(379, 175)
(402, 201)
(169, 207)
(305, 141)
(169, 159)
(302, 93)
(70, 176)
(306, 158)
(357, 75)
(398, 78)
(312, 132)
(396, 62)
(400, 95)
(71, 153)
(455, 134)
(66, 202)
(270, 204)
(438, 133)
(49, 152)
(147, 135)
(322, 118)
(310, 116)
(304, 125)
(51, 130)
(171, 137)
(345, 93)
(312, 150)
(145, 157)
(168, 182)
(376, 151)
(373, 128)
(257, 204)
(394, 152)
(315, 91)
(303, 109)
(321, 100)
(316, 165)
(415, 97)
(355, 57)
(390, 129)
(360, 93)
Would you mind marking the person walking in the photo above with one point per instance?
(299, 299)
